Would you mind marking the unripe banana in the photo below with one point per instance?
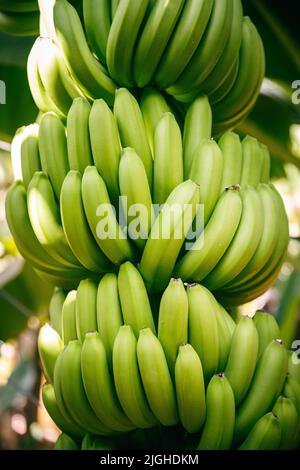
(55, 310)
(121, 41)
(206, 170)
(53, 150)
(134, 299)
(168, 158)
(173, 320)
(27, 153)
(76, 228)
(156, 378)
(286, 412)
(99, 385)
(90, 75)
(292, 390)
(226, 327)
(69, 332)
(197, 126)
(136, 197)
(265, 434)
(153, 106)
(86, 308)
(220, 413)
(167, 235)
(106, 149)
(79, 146)
(113, 7)
(109, 313)
(73, 391)
(203, 327)
(190, 391)
(213, 242)
(51, 406)
(267, 328)
(224, 89)
(102, 219)
(265, 388)
(242, 358)
(252, 161)
(65, 442)
(127, 379)
(50, 346)
(97, 22)
(231, 148)
(132, 128)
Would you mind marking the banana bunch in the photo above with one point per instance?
(19, 17)
(109, 373)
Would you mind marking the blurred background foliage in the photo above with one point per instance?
(24, 297)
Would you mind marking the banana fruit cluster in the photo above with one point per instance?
(186, 48)
(19, 17)
(113, 367)
(209, 213)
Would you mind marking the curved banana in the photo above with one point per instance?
(106, 148)
(135, 305)
(55, 309)
(206, 170)
(168, 158)
(69, 331)
(231, 149)
(224, 89)
(156, 378)
(173, 320)
(190, 391)
(292, 390)
(168, 234)
(76, 227)
(90, 75)
(197, 126)
(25, 153)
(79, 146)
(53, 150)
(226, 327)
(286, 412)
(251, 162)
(102, 219)
(132, 127)
(127, 379)
(265, 434)
(215, 239)
(154, 38)
(50, 346)
(136, 197)
(121, 40)
(203, 331)
(242, 358)
(218, 429)
(267, 328)
(184, 42)
(97, 22)
(65, 442)
(86, 308)
(99, 386)
(265, 388)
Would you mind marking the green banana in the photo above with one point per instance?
(28, 152)
(153, 105)
(102, 219)
(206, 170)
(106, 148)
(242, 358)
(53, 150)
(97, 22)
(224, 89)
(197, 126)
(156, 378)
(50, 346)
(286, 412)
(292, 390)
(154, 38)
(55, 310)
(231, 148)
(190, 391)
(184, 42)
(99, 386)
(76, 228)
(213, 242)
(251, 162)
(127, 379)
(134, 299)
(132, 128)
(89, 74)
(136, 197)
(69, 332)
(168, 158)
(267, 328)
(218, 429)
(265, 388)
(86, 308)
(65, 442)
(173, 320)
(121, 40)
(226, 327)
(265, 434)
(168, 234)
(79, 146)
